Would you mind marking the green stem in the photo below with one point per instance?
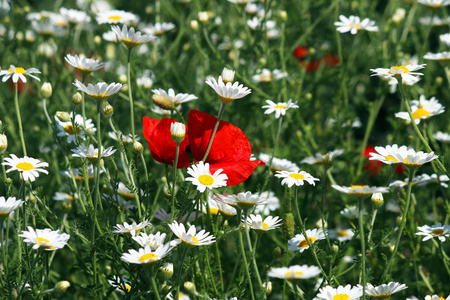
(130, 94)
(441, 249)
(174, 180)
(363, 246)
(372, 222)
(83, 103)
(252, 253)
(19, 120)
(221, 110)
(324, 187)
(402, 226)
(183, 256)
(155, 288)
(33, 265)
(244, 258)
(44, 105)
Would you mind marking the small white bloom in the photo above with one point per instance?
(151, 240)
(130, 37)
(100, 91)
(265, 75)
(403, 72)
(440, 231)
(279, 108)
(18, 74)
(341, 292)
(442, 56)
(28, 167)
(8, 206)
(278, 164)
(67, 129)
(442, 137)
(116, 16)
(146, 255)
(158, 28)
(91, 152)
(354, 24)
(445, 38)
(318, 157)
(297, 177)
(294, 273)
(202, 178)
(45, 239)
(228, 92)
(384, 290)
(83, 64)
(435, 3)
(177, 99)
(132, 228)
(341, 235)
(191, 237)
(422, 109)
(257, 223)
(299, 243)
(360, 190)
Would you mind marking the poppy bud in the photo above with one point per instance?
(163, 102)
(178, 132)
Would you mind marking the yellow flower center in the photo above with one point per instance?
(397, 68)
(18, 71)
(264, 225)
(280, 107)
(358, 186)
(194, 241)
(341, 297)
(297, 176)
(438, 232)
(342, 233)
(390, 158)
(292, 273)
(42, 240)
(206, 179)
(125, 287)
(115, 18)
(148, 256)
(70, 130)
(214, 211)
(304, 243)
(25, 166)
(381, 296)
(420, 113)
(266, 77)
(126, 195)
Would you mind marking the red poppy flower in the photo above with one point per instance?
(230, 150)
(330, 60)
(19, 85)
(161, 144)
(300, 52)
(309, 66)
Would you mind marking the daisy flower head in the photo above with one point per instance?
(116, 16)
(297, 177)
(384, 291)
(279, 108)
(162, 215)
(434, 3)
(442, 137)
(353, 24)
(74, 16)
(384, 154)
(406, 81)
(130, 37)
(273, 203)
(67, 129)
(228, 92)
(191, 237)
(91, 153)
(265, 75)
(78, 174)
(132, 228)
(256, 222)
(399, 72)
(202, 178)
(18, 73)
(341, 235)
(351, 212)
(341, 292)
(241, 2)
(443, 57)
(422, 109)
(434, 297)
(411, 158)
(158, 28)
(299, 242)
(126, 139)
(246, 200)
(435, 21)
(110, 36)
(45, 239)
(146, 255)
(83, 64)
(360, 190)
(28, 167)
(151, 240)
(278, 164)
(440, 231)
(294, 273)
(170, 95)
(8, 205)
(99, 92)
(445, 39)
(318, 158)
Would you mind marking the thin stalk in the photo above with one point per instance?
(372, 222)
(33, 265)
(130, 94)
(324, 187)
(4, 260)
(252, 253)
(155, 287)
(221, 110)
(247, 272)
(19, 120)
(402, 226)
(174, 180)
(363, 246)
(441, 250)
(183, 256)
(44, 105)
(83, 104)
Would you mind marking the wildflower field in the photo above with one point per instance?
(224, 149)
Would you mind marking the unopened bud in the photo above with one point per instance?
(203, 16)
(242, 227)
(227, 75)
(137, 147)
(178, 132)
(3, 143)
(63, 116)
(20, 36)
(163, 102)
(189, 286)
(277, 252)
(194, 25)
(97, 40)
(308, 96)
(267, 286)
(288, 227)
(32, 198)
(283, 15)
(107, 109)
(439, 80)
(335, 248)
(123, 78)
(327, 161)
(167, 270)
(46, 90)
(377, 200)
(77, 99)
(61, 286)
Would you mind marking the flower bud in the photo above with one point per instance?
(46, 90)
(178, 132)
(137, 147)
(227, 75)
(20, 36)
(61, 286)
(123, 78)
(327, 161)
(377, 200)
(194, 25)
(107, 109)
(97, 40)
(277, 252)
(439, 80)
(167, 270)
(77, 99)
(189, 286)
(288, 227)
(267, 286)
(335, 248)
(283, 15)
(163, 102)
(3, 143)
(203, 16)
(63, 116)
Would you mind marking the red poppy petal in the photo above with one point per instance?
(161, 144)
(300, 52)
(237, 172)
(230, 143)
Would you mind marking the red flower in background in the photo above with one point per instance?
(375, 165)
(230, 150)
(19, 85)
(301, 53)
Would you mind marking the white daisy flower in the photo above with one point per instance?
(83, 64)
(177, 99)
(132, 228)
(18, 74)
(146, 80)
(442, 56)
(28, 167)
(62, 197)
(110, 36)
(406, 81)
(434, 297)
(425, 179)
(163, 112)
(8, 206)
(445, 38)
(241, 2)
(99, 92)
(360, 190)
(299, 243)
(216, 207)
(435, 3)
(202, 178)
(256, 222)
(354, 24)
(126, 139)
(78, 174)
(385, 154)
(145, 255)
(228, 92)
(67, 129)
(440, 231)
(341, 235)
(91, 153)
(49, 28)
(158, 28)
(351, 212)
(130, 37)
(279, 108)
(162, 215)
(45, 239)
(341, 292)
(74, 16)
(318, 157)
(191, 237)
(181, 296)
(122, 284)
(278, 164)
(265, 75)
(125, 192)
(297, 177)
(404, 72)
(422, 109)
(412, 158)
(151, 240)
(273, 203)
(116, 16)
(435, 21)
(294, 273)
(442, 137)
(384, 291)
